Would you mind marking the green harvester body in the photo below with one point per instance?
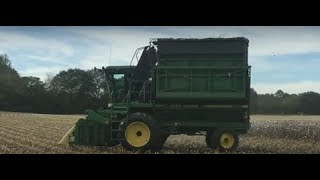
(189, 86)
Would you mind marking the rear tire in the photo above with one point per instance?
(225, 140)
(141, 133)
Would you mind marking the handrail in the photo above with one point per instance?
(139, 92)
(136, 53)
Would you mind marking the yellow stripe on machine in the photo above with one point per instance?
(68, 137)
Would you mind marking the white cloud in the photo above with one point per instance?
(53, 59)
(296, 87)
(49, 46)
(260, 64)
(123, 43)
(125, 40)
(40, 71)
(283, 40)
(99, 56)
(30, 50)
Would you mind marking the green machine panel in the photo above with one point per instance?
(202, 70)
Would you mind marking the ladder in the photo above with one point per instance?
(115, 125)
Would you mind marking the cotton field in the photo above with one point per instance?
(24, 133)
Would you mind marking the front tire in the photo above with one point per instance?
(141, 132)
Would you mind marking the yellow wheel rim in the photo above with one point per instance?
(137, 134)
(227, 140)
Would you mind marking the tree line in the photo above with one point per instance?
(284, 103)
(68, 92)
(74, 90)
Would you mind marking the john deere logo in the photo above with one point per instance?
(189, 106)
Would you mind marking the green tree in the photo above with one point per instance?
(74, 90)
(309, 103)
(101, 88)
(73, 82)
(279, 94)
(290, 104)
(268, 104)
(5, 61)
(10, 85)
(33, 85)
(34, 95)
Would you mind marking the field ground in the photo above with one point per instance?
(24, 133)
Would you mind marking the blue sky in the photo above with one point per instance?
(284, 58)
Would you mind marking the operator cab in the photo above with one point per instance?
(131, 83)
(118, 81)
